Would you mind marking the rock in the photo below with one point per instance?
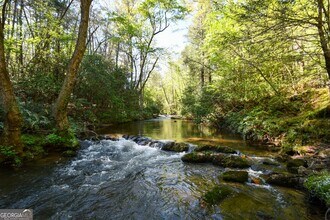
(282, 157)
(235, 176)
(157, 144)
(108, 137)
(286, 180)
(303, 171)
(220, 159)
(231, 161)
(217, 194)
(195, 157)
(176, 147)
(143, 141)
(294, 164)
(218, 149)
(270, 162)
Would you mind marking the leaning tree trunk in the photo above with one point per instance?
(323, 37)
(60, 109)
(13, 120)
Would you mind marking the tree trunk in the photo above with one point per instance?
(13, 120)
(60, 110)
(323, 39)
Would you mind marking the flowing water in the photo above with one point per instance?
(123, 180)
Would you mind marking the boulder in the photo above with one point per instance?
(235, 176)
(196, 157)
(176, 147)
(270, 162)
(293, 165)
(231, 161)
(286, 180)
(220, 159)
(218, 149)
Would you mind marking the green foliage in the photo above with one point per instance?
(200, 105)
(319, 186)
(9, 156)
(34, 121)
(61, 140)
(33, 146)
(40, 87)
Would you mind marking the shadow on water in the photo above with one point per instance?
(123, 180)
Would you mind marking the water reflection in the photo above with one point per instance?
(184, 131)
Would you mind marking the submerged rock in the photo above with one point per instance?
(218, 149)
(235, 176)
(233, 161)
(217, 194)
(220, 159)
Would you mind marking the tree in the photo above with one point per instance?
(13, 119)
(60, 110)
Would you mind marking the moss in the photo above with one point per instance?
(33, 146)
(62, 140)
(219, 159)
(217, 194)
(319, 186)
(235, 176)
(195, 157)
(219, 149)
(176, 147)
(233, 162)
(286, 180)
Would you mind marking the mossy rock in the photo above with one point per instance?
(294, 164)
(176, 147)
(219, 159)
(232, 161)
(286, 180)
(270, 162)
(235, 176)
(217, 194)
(196, 157)
(218, 149)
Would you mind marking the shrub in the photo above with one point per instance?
(319, 186)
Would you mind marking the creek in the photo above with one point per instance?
(123, 180)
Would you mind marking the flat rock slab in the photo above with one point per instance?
(220, 159)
